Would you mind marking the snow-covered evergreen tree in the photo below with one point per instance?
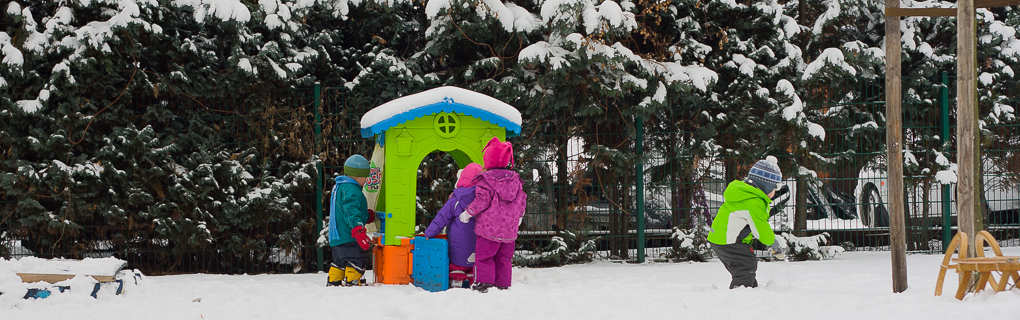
(843, 49)
(163, 120)
(586, 72)
(750, 47)
(999, 57)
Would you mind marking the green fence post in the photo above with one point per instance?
(318, 182)
(944, 136)
(640, 190)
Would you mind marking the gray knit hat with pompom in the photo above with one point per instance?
(765, 174)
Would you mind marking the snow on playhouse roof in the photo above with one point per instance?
(442, 99)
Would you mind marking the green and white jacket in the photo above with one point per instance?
(744, 215)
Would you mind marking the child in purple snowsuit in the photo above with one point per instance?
(460, 235)
(498, 208)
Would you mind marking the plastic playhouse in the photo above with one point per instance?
(448, 119)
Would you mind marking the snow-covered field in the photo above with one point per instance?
(854, 285)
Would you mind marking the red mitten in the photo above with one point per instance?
(361, 237)
(371, 216)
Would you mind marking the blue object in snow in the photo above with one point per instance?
(431, 266)
(37, 293)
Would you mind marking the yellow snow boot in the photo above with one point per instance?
(352, 277)
(336, 277)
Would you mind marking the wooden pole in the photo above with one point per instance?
(967, 122)
(894, 143)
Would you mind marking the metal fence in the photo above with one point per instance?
(844, 198)
(633, 211)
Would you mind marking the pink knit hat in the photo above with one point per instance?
(498, 154)
(466, 175)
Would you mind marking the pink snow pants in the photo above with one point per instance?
(458, 273)
(492, 262)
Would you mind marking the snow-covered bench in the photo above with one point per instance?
(63, 274)
(32, 269)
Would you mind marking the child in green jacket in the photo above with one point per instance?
(744, 215)
(348, 214)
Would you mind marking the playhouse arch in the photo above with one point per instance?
(463, 152)
(456, 121)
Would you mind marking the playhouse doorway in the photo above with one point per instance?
(436, 179)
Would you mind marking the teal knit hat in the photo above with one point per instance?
(356, 166)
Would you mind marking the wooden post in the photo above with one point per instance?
(967, 155)
(894, 143)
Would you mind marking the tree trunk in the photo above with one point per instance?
(619, 213)
(551, 194)
(676, 192)
(979, 217)
(911, 243)
(675, 189)
(682, 187)
(616, 188)
(687, 200)
(562, 185)
(926, 231)
(623, 217)
(731, 164)
(802, 12)
(800, 221)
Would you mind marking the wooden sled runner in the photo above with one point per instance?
(998, 273)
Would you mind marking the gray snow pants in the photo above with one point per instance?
(739, 260)
(349, 254)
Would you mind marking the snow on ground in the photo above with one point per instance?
(854, 285)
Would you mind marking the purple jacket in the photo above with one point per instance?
(460, 235)
(499, 204)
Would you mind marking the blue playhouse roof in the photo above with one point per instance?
(443, 99)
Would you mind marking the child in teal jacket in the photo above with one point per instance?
(348, 214)
(744, 216)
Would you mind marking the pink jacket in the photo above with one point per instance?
(499, 205)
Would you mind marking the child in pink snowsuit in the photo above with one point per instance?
(498, 209)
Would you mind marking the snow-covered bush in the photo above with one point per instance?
(689, 245)
(810, 248)
(567, 248)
